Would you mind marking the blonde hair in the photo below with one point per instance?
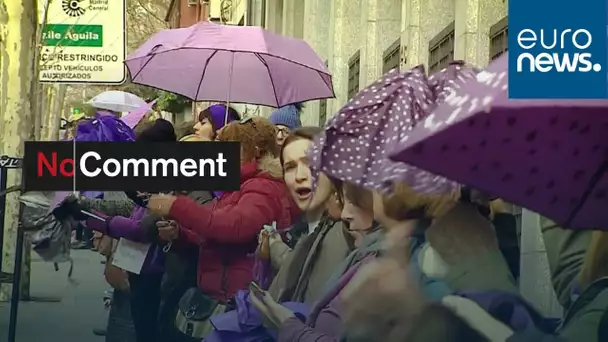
(403, 203)
(256, 135)
(191, 138)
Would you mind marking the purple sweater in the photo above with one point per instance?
(130, 228)
(324, 323)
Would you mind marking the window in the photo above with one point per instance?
(323, 108)
(499, 41)
(354, 66)
(441, 49)
(391, 57)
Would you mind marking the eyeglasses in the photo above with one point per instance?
(283, 131)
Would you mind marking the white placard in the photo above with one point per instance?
(84, 41)
(130, 256)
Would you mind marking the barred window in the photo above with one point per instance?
(441, 49)
(390, 57)
(323, 108)
(354, 68)
(499, 42)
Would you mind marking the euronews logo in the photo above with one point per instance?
(559, 55)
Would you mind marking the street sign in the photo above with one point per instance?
(83, 41)
(7, 162)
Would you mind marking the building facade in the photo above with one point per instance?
(184, 13)
(362, 39)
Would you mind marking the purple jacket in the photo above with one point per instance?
(130, 228)
(245, 323)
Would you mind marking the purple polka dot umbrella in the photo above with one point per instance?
(550, 156)
(356, 141)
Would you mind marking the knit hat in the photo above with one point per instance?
(161, 131)
(288, 116)
(218, 115)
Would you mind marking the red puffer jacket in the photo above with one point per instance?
(226, 229)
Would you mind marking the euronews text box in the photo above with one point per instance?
(556, 50)
(213, 166)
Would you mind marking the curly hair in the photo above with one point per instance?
(256, 135)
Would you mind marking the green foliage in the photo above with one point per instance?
(144, 92)
(82, 107)
(166, 101)
(171, 102)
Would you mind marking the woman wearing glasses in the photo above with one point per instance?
(285, 120)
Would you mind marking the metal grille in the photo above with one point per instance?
(441, 49)
(323, 108)
(499, 42)
(354, 68)
(391, 57)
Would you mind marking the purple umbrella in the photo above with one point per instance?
(358, 138)
(546, 155)
(246, 64)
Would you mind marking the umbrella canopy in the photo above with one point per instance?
(358, 138)
(243, 64)
(546, 155)
(117, 101)
(134, 117)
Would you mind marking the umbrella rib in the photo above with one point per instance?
(274, 89)
(198, 89)
(595, 179)
(145, 64)
(330, 86)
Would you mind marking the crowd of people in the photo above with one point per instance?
(300, 256)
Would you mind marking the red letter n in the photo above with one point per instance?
(43, 162)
